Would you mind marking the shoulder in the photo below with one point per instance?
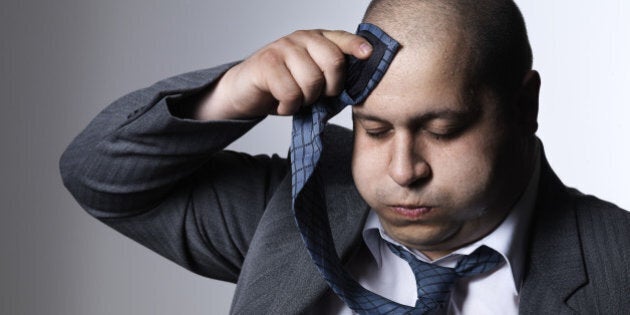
(604, 231)
(603, 218)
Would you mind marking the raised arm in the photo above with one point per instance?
(163, 180)
(151, 164)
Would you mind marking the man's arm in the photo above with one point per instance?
(151, 166)
(161, 180)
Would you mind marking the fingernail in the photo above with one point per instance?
(366, 48)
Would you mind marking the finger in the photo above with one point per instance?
(306, 72)
(349, 43)
(284, 89)
(329, 58)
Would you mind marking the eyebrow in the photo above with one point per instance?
(461, 115)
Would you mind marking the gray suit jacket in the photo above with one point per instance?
(165, 182)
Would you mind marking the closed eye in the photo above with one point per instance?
(444, 134)
(377, 133)
(445, 130)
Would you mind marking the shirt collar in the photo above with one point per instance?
(509, 238)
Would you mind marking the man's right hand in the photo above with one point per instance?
(283, 76)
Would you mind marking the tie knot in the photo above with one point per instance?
(482, 260)
(434, 283)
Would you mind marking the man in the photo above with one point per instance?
(443, 161)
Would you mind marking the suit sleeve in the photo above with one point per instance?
(164, 180)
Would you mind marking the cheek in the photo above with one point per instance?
(466, 169)
(368, 169)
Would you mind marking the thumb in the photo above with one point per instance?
(350, 44)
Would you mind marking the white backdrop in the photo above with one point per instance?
(64, 61)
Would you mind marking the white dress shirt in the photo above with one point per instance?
(381, 271)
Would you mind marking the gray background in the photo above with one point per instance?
(63, 61)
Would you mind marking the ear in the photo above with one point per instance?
(527, 102)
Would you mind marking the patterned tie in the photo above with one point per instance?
(308, 200)
(435, 282)
(362, 76)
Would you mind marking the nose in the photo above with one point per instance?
(407, 166)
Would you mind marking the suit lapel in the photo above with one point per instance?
(555, 262)
(347, 211)
(278, 276)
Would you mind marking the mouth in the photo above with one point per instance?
(413, 212)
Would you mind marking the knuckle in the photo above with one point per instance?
(270, 57)
(298, 33)
(301, 33)
(343, 33)
(282, 43)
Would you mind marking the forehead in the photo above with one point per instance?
(430, 76)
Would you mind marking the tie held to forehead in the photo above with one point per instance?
(362, 76)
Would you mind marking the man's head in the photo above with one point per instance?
(444, 144)
(493, 33)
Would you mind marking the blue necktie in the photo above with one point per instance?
(434, 283)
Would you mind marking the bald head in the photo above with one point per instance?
(490, 34)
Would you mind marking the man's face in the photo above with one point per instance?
(432, 155)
